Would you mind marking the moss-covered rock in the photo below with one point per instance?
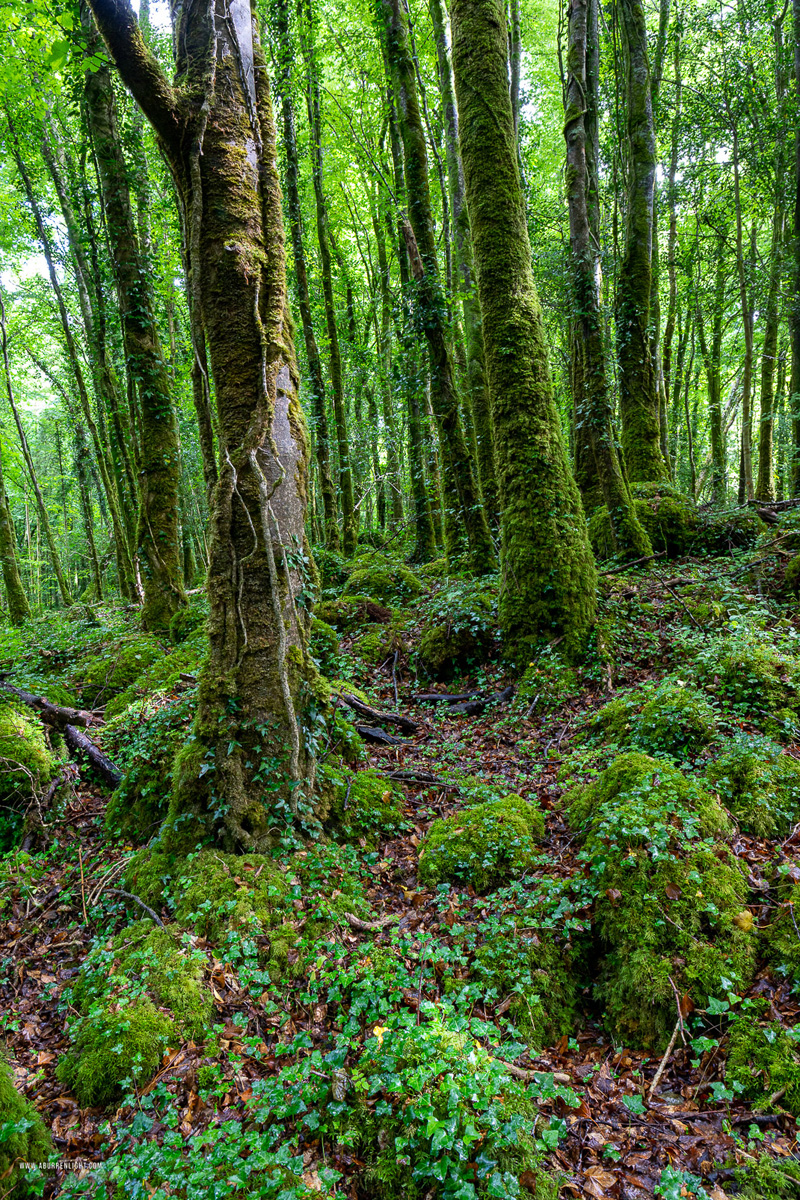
(349, 613)
(673, 718)
(332, 567)
(24, 1136)
(719, 533)
(540, 977)
(174, 670)
(27, 765)
(669, 899)
(388, 581)
(461, 629)
(117, 666)
(791, 576)
(763, 1059)
(483, 845)
(362, 803)
(192, 618)
(324, 646)
(758, 784)
(668, 517)
(377, 643)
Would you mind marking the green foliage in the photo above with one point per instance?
(783, 942)
(164, 675)
(542, 977)
(769, 1178)
(362, 803)
(483, 845)
(351, 612)
(758, 784)
(460, 629)
(324, 647)
(189, 619)
(27, 765)
(749, 671)
(117, 666)
(389, 581)
(23, 1136)
(764, 1058)
(546, 683)
(673, 718)
(719, 533)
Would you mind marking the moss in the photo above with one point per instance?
(751, 673)
(791, 576)
(668, 518)
(764, 1058)
(164, 674)
(27, 765)
(352, 612)
(758, 784)
(362, 803)
(437, 569)
(113, 1043)
(190, 619)
(25, 1139)
(546, 683)
(668, 897)
(540, 977)
(676, 719)
(118, 666)
(333, 570)
(783, 943)
(461, 630)
(324, 646)
(377, 643)
(483, 845)
(719, 533)
(389, 582)
(769, 1178)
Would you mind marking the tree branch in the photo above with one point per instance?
(138, 68)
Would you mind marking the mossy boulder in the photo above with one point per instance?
(389, 582)
(764, 1059)
(27, 765)
(758, 784)
(24, 1136)
(175, 670)
(669, 519)
(673, 718)
(332, 567)
(352, 612)
(377, 643)
(190, 619)
(750, 673)
(669, 896)
(324, 646)
(721, 532)
(118, 666)
(461, 629)
(484, 845)
(362, 804)
(540, 977)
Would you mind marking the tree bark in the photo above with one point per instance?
(547, 570)
(712, 362)
(218, 136)
(19, 610)
(638, 394)
(794, 308)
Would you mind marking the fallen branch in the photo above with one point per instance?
(634, 563)
(141, 903)
(476, 708)
(52, 714)
(79, 744)
(665, 1059)
(370, 926)
(421, 777)
(370, 734)
(446, 697)
(380, 718)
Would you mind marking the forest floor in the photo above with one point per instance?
(595, 1129)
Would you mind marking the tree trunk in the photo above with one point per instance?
(765, 485)
(794, 309)
(712, 362)
(593, 400)
(18, 608)
(547, 571)
(638, 394)
(746, 455)
(383, 338)
(218, 135)
(672, 237)
(430, 302)
(157, 538)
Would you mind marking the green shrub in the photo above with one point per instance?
(118, 666)
(388, 581)
(764, 1058)
(361, 803)
(23, 1136)
(668, 894)
(324, 646)
(483, 845)
(758, 784)
(461, 628)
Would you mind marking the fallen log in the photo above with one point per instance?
(446, 697)
(52, 714)
(370, 734)
(475, 708)
(79, 745)
(380, 718)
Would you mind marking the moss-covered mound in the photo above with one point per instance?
(377, 643)
(783, 942)
(190, 619)
(674, 719)
(764, 1060)
(361, 804)
(388, 581)
(351, 612)
(324, 646)
(750, 673)
(23, 1136)
(173, 671)
(669, 519)
(27, 765)
(461, 629)
(668, 894)
(484, 845)
(546, 683)
(137, 995)
(721, 532)
(540, 977)
(118, 666)
(758, 784)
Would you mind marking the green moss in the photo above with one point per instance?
(783, 943)
(324, 646)
(362, 803)
(24, 1136)
(190, 619)
(540, 976)
(769, 1178)
(389, 582)
(346, 614)
(484, 845)
(461, 629)
(668, 896)
(546, 683)
(764, 1058)
(791, 576)
(719, 533)
(27, 765)
(749, 672)
(673, 718)
(758, 784)
(164, 674)
(668, 518)
(118, 666)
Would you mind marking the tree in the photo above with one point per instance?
(548, 579)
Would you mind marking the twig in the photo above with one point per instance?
(83, 887)
(634, 563)
(370, 926)
(141, 903)
(394, 676)
(678, 1006)
(665, 1059)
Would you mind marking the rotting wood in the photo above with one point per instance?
(57, 715)
(380, 718)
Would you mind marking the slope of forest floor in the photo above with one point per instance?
(418, 1009)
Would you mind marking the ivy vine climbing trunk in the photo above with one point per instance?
(217, 132)
(547, 570)
(157, 536)
(594, 402)
(418, 232)
(638, 393)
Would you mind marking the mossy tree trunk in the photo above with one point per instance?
(638, 393)
(383, 341)
(547, 570)
(18, 608)
(157, 536)
(594, 401)
(243, 772)
(418, 232)
(346, 489)
(316, 377)
(794, 306)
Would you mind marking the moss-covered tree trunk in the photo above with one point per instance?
(593, 401)
(794, 306)
(548, 577)
(383, 341)
(18, 608)
(243, 773)
(765, 481)
(418, 232)
(157, 536)
(638, 393)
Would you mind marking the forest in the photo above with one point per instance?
(399, 632)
